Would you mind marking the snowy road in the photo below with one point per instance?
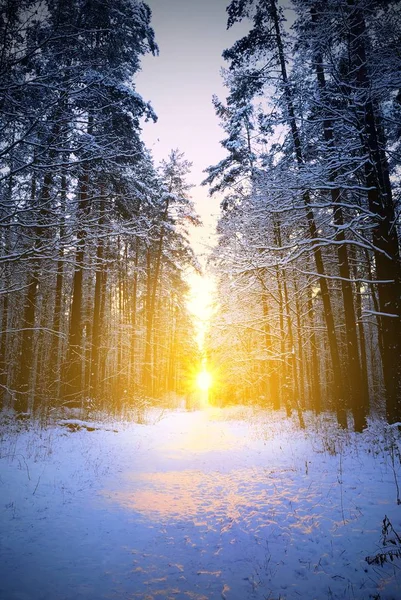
(231, 504)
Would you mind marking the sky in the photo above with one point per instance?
(179, 83)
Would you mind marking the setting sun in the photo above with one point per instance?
(204, 381)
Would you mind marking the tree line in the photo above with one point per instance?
(308, 256)
(94, 238)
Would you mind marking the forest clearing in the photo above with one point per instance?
(216, 503)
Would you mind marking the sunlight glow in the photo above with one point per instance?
(200, 304)
(204, 381)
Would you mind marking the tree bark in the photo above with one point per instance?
(380, 201)
(72, 380)
(359, 399)
(339, 395)
(98, 316)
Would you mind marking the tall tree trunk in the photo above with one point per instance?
(384, 233)
(6, 273)
(368, 262)
(292, 357)
(72, 380)
(25, 369)
(359, 399)
(315, 377)
(152, 286)
(73, 367)
(4, 339)
(300, 342)
(97, 317)
(313, 232)
(270, 375)
(21, 403)
(134, 321)
(362, 340)
(58, 295)
(284, 369)
(147, 365)
(120, 377)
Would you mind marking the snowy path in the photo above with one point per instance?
(201, 505)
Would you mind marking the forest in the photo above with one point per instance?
(308, 253)
(95, 238)
(179, 423)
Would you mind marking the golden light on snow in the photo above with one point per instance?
(204, 381)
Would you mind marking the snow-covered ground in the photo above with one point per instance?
(212, 504)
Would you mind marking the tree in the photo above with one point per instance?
(82, 209)
(298, 148)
